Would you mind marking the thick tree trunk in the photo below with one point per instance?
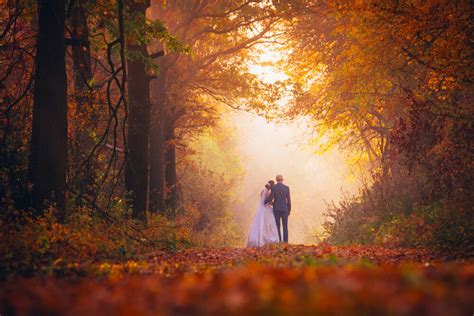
(157, 147)
(136, 173)
(48, 154)
(82, 142)
(170, 173)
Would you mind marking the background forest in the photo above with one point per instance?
(115, 142)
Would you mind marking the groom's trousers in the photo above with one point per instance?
(282, 216)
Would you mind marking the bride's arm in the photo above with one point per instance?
(268, 197)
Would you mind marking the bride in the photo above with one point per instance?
(263, 230)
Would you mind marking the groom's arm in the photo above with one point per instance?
(288, 201)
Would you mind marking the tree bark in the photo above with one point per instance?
(82, 142)
(157, 147)
(136, 173)
(80, 49)
(170, 173)
(48, 152)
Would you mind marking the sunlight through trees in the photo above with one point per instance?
(135, 131)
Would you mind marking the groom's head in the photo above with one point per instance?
(279, 178)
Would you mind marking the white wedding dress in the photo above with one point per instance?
(263, 230)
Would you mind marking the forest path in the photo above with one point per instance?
(276, 279)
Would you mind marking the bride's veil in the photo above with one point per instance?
(263, 196)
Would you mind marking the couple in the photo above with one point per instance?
(265, 228)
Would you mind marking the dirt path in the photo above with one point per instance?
(272, 280)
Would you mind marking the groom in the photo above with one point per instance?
(280, 195)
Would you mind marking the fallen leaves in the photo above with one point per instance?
(278, 279)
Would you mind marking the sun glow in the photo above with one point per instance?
(265, 65)
(268, 148)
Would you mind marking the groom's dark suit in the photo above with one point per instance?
(280, 195)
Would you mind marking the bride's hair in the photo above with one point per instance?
(269, 184)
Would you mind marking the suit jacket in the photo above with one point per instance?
(280, 195)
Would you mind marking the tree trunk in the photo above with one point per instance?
(80, 49)
(170, 173)
(136, 173)
(157, 147)
(83, 142)
(48, 153)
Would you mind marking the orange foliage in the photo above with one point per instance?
(278, 279)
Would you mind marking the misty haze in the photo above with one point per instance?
(268, 149)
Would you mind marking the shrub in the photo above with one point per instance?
(31, 243)
(394, 212)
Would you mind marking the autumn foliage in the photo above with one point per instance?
(391, 83)
(119, 171)
(285, 280)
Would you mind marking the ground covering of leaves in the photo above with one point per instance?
(277, 279)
